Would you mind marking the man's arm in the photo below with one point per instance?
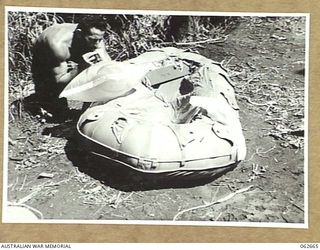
(105, 55)
(65, 72)
(101, 51)
(63, 69)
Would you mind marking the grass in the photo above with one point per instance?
(127, 36)
(137, 34)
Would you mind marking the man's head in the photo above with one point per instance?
(92, 32)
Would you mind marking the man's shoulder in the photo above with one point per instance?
(66, 26)
(57, 38)
(58, 32)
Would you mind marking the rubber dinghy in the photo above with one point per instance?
(166, 112)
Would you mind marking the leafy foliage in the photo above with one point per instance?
(126, 36)
(23, 29)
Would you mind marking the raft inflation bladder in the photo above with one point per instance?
(166, 111)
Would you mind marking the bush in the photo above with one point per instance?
(23, 29)
(126, 36)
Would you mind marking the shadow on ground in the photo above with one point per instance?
(123, 178)
(52, 111)
(63, 125)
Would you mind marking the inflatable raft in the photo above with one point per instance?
(166, 111)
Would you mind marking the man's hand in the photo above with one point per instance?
(65, 72)
(92, 57)
(71, 66)
(96, 56)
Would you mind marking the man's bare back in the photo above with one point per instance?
(61, 52)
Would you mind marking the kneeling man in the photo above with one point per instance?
(60, 53)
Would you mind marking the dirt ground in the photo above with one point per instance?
(265, 57)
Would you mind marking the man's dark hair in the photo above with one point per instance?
(92, 22)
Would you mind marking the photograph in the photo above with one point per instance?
(155, 117)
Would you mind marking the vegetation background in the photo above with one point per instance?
(265, 57)
(127, 36)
